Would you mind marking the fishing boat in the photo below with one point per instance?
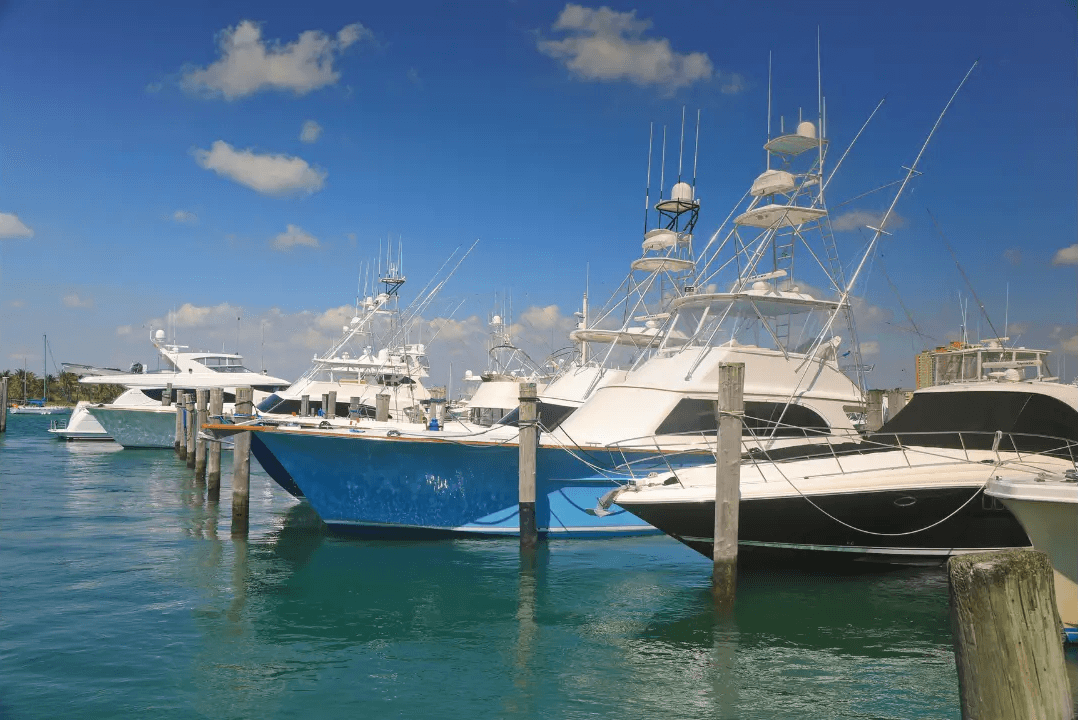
(655, 414)
(1046, 505)
(911, 493)
(80, 426)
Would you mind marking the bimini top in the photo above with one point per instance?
(775, 216)
(795, 143)
(640, 337)
(764, 301)
(672, 264)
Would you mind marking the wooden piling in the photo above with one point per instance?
(213, 462)
(527, 441)
(1008, 643)
(202, 398)
(325, 405)
(331, 410)
(874, 411)
(896, 400)
(305, 406)
(192, 427)
(180, 442)
(437, 406)
(381, 407)
(166, 396)
(730, 409)
(241, 467)
(3, 404)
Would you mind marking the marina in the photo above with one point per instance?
(212, 625)
(388, 396)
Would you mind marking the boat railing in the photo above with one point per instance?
(923, 449)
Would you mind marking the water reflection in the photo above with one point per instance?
(131, 556)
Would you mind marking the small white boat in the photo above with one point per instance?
(38, 407)
(80, 426)
(1047, 508)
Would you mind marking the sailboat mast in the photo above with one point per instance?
(45, 368)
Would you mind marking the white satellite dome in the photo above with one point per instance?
(681, 191)
(159, 335)
(806, 129)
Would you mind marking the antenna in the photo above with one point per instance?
(237, 335)
(662, 170)
(681, 148)
(963, 272)
(766, 153)
(910, 172)
(1007, 312)
(647, 187)
(819, 106)
(696, 153)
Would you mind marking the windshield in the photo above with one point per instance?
(551, 415)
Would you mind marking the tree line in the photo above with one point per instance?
(63, 388)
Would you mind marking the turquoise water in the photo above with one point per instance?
(122, 595)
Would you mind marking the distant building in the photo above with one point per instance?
(986, 360)
(926, 368)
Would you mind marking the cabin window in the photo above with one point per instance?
(767, 419)
(935, 419)
(277, 405)
(551, 415)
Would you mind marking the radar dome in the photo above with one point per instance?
(806, 129)
(681, 191)
(160, 335)
(496, 320)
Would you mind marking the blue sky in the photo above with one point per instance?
(153, 156)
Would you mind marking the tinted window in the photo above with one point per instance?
(279, 406)
(551, 415)
(979, 415)
(768, 419)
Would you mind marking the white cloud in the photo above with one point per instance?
(856, 219)
(1063, 256)
(73, 300)
(294, 236)
(123, 330)
(604, 45)
(351, 34)
(12, 227)
(267, 174)
(311, 132)
(185, 217)
(248, 64)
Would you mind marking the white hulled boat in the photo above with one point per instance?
(657, 414)
(39, 406)
(136, 424)
(912, 492)
(1047, 507)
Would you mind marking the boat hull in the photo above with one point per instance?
(47, 410)
(416, 489)
(82, 426)
(777, 529)
(138, 427)
(1049, 515)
